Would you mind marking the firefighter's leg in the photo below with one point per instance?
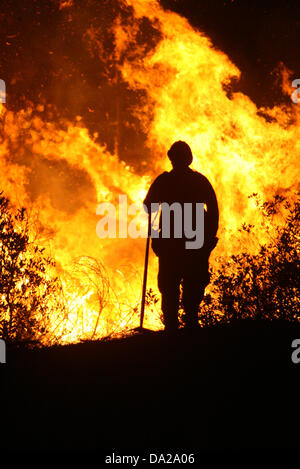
(196, 278)
(192, 296)
(168, 284)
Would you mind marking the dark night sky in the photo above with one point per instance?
(46, 57)
(256, 34)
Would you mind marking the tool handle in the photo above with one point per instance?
(145, 271)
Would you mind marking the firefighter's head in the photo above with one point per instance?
(180, 155)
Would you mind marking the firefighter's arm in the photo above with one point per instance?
(212, 211)
(154, 195)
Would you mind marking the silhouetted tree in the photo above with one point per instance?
(264, 285)
(29, 289)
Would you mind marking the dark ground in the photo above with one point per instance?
(228, 386)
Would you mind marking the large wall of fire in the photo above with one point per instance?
(96, 94)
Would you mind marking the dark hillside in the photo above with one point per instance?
(227, 386)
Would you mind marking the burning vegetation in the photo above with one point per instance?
(91, 111)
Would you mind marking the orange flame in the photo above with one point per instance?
(240, 148)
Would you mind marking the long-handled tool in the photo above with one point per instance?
(150, 222)
(145, 272)
(141, 328)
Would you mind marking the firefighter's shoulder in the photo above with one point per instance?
(200, 178)
(161, 179)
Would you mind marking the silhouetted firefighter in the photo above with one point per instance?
(178, 264)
